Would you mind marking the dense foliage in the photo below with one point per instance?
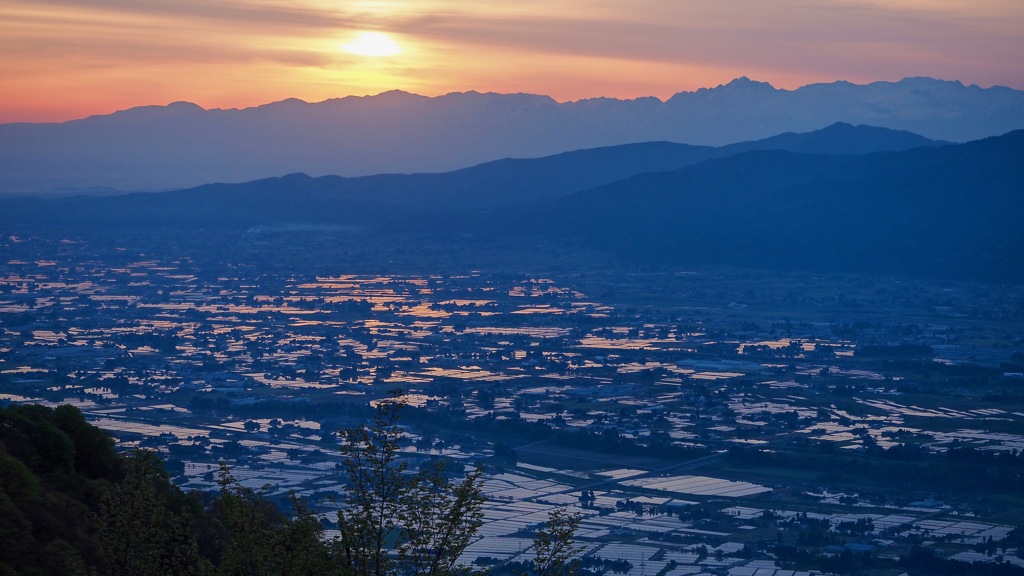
(54, 471)
(71, 505)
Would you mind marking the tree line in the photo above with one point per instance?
(71, 504)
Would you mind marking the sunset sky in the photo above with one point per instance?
(64, 59)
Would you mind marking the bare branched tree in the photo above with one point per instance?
(426, 520)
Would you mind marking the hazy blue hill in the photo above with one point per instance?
(181, 145)
(953, 210)
(298, 198)
(838, 138)
(934, 210)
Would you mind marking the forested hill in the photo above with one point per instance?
(54, 467)
(70, 505)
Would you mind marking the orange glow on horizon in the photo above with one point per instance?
(62, 60)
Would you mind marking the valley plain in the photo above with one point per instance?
(703, 419)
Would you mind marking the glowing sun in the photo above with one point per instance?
(374, 44)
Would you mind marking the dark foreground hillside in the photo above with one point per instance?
(54, 467)
(70, 505)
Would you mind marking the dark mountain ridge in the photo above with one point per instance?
(298, 198)
(946, 211)
(949, 210)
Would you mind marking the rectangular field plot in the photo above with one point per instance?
(699, 485)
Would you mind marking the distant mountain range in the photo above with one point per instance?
(182, 145)
(841, 199)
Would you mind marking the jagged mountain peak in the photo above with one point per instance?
(745, 83)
